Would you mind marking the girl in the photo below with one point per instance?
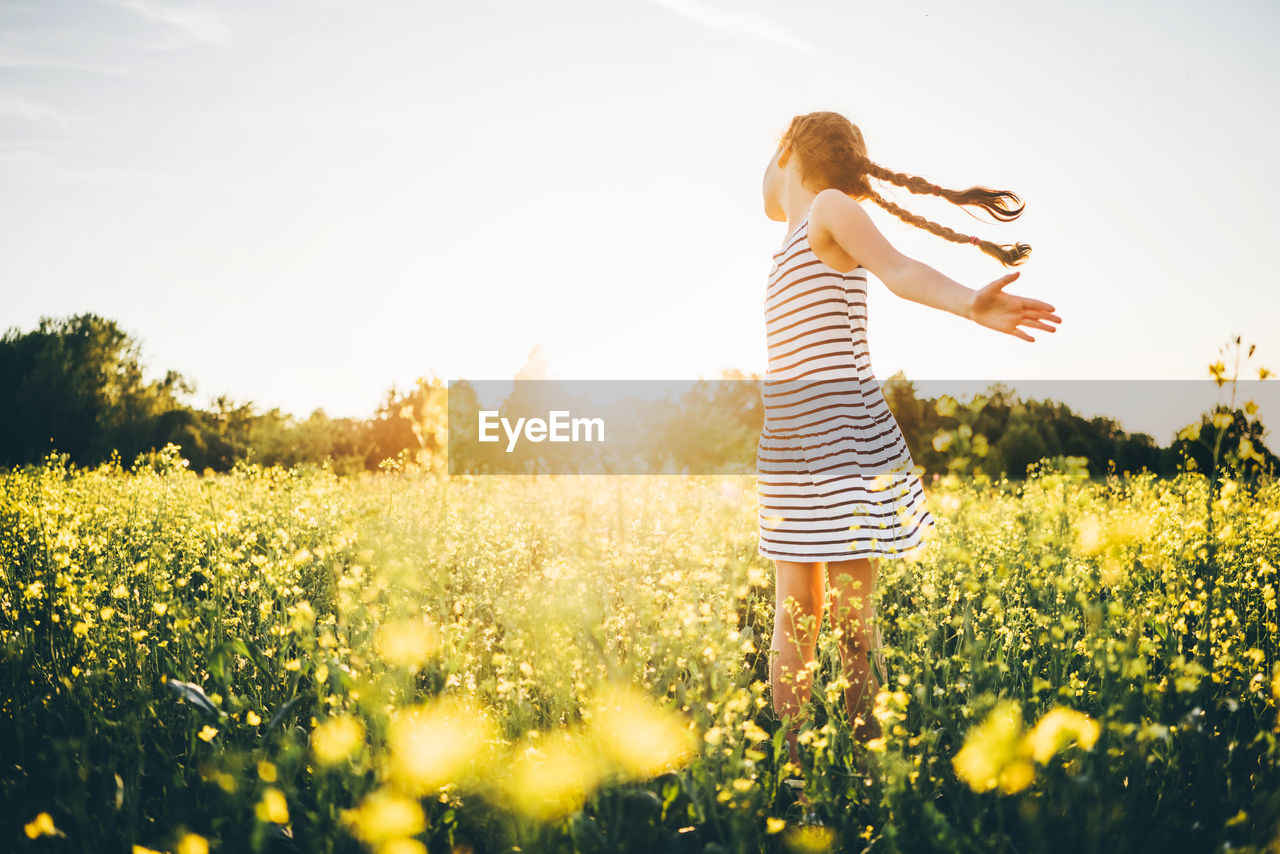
(835, 482)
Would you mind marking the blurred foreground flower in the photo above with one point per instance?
(41, 825)
(637, 735)
(1058, 728)
(991, 752)
(998, 753)
(337, 738)
(384, 816)
(193, 843)
(408, 643)
(551, 776)
(443, 741)
(809, 839)
(273, 808)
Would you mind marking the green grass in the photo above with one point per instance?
(457, 640)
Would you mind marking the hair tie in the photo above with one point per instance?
(937, 191)
(973, 239)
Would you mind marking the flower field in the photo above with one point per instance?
(287, 660)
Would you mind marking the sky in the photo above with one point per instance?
(303, 205)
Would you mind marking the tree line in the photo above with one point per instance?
(75, 386)
(713, 427)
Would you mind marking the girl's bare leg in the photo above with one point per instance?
(853, 617)
(799, 603)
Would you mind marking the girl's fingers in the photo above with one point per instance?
(1035, 308)
(1031, 321)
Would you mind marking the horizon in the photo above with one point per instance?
(1131, 404)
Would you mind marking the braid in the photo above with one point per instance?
(995, 202)
(1008, 255)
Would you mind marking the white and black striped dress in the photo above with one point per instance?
(834, 477)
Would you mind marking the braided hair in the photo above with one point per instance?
(832, 153)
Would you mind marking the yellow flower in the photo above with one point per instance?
(337, 738)
(1058, 728)
(809, 838)
(193, 843)
(774, 825)
(990, 747)
(1016, 776)
(641, 738)
(880, 483)
(753, 731)
(273, 807)
(384, 815)
(551, 777)
(207, 733)
(998, 753)
(1089, 535)
(406, 846)
(408, 643)
(41, 825)
(251, 718)
(439, 742)
(301, 615)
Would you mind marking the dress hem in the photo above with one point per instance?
(900, 554)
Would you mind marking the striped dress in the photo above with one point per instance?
(834, 477)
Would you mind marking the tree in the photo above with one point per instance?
(75, 385)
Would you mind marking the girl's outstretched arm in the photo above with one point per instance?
(852, 228)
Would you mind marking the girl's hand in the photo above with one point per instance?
(994, 309)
